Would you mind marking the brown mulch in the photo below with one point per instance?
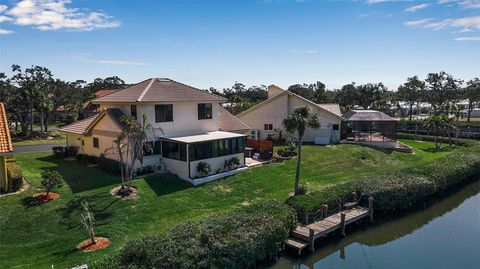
(86, 245)
(133, 193)
(43, 198)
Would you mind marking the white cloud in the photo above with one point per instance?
(4, 18)
(55, 15)
(469, 38)
(3, 8)
(417, 22)
(376, 1)
(466, 24)
(442, 2)
(304, 51)
(116, 62)
(416, 7)
(5, 32)
(471, 4)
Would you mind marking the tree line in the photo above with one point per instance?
(440, 90)
(33, 94)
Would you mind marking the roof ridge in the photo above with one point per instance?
(197, 89)
(145, 90)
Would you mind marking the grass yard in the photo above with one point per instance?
(37, 236)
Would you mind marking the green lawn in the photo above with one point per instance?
(37, 236)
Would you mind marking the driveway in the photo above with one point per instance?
(35, 148)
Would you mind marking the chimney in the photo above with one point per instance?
(274, 90)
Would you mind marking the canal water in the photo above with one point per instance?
(444, 234)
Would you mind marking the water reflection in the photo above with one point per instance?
(445, 234)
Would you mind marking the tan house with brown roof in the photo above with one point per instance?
(6, 147)
(265, 119)
(190, 127)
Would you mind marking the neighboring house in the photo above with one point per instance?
(6, 147)
(90, 109)
(190, 127)
(265, 119)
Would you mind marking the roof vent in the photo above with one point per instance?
(163, 80)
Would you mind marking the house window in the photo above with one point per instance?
(216, 148)
(176, 151)
(268, 127)
(133, 111)
(163, 113)
(204, 111)
(95, 142)
(335, 127)
(151, 148)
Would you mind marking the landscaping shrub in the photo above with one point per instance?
(15, 177)
(394, 191)
(302, 189)
(109, 165)
(233, 240)
(58, 152)
(144, 170)
(461, 141)
(397, 190)
(452, 169)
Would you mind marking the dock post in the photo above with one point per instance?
(342, 223)
(325, 211)
(311, 237)
(370, 207)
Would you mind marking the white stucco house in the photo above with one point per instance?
(266, 118)
(190, 126)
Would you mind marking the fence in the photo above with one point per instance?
(260, 145)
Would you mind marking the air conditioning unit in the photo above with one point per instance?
(254, 134)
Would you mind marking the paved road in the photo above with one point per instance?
(35, 148)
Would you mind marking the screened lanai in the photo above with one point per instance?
(368, 126)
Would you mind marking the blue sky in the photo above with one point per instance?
(215, 43)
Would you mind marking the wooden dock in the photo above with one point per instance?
(305, 235)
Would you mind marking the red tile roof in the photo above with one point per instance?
(159, 90)
(5, 139)
(230, 123)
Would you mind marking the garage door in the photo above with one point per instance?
(322, 136)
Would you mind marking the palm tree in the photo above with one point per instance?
(297, 121)
(438, 123)
(129, 146)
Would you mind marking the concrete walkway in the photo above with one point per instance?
(35, 148)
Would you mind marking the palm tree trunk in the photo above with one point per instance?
(299, 160)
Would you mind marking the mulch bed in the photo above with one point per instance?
(43, 198)
(133, 194)
(86, 245)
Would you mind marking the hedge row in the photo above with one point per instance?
(461, 141)
(234, 240)
(397, 190)
(108, 165)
